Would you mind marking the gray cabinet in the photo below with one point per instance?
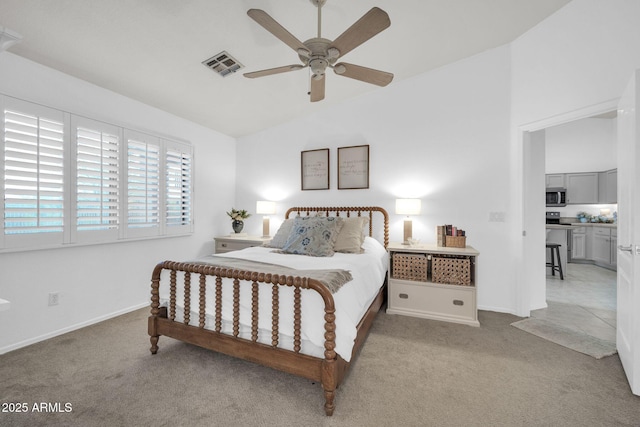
(582, 188)
(604, 246)
(608, 186)
(579, 243)
(555, 180)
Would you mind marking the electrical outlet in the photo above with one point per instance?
(497, 216)
(54, 298)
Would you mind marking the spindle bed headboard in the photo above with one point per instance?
(329, 370)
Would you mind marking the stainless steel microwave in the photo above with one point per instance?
(556, 196)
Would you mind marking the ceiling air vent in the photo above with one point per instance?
(223, 64)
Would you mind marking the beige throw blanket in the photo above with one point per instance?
(333, 279)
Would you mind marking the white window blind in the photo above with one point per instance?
(143, 183)
(33, 172)
(97, 179)
(178, 200)
(67, 179)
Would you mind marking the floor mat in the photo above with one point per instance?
(574, 340)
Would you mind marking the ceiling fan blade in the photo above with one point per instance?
(369, 75)
(317, 89)
(271, 25)
(276, 70)
(362, 30)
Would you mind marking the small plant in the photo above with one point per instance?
(238, 214)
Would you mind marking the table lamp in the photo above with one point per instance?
(408, 207)
(265, 208)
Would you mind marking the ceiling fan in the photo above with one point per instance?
(319, 54)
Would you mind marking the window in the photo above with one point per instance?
(178, 187)
(63, 180)
(33, 173)
(97, 180)
(143, 184)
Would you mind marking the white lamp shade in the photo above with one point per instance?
(265, 207)
(408, 206)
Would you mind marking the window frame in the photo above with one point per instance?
(70, 235)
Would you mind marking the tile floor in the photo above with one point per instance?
(584, 301)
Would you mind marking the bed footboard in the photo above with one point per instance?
(328, 370)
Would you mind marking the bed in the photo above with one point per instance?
(277, 306)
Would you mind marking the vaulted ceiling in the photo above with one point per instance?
(152, 50)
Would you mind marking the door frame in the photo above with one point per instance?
(531, 275)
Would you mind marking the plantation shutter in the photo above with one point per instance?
(97, 179)
(178, 187)
(143, 184)
(33, 174)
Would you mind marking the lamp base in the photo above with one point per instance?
(407, 231)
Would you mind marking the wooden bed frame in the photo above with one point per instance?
(330, 371)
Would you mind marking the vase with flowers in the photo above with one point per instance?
(237, 217)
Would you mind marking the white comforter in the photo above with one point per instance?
(351, 301)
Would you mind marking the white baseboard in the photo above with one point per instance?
(496, 309)
(77, 326)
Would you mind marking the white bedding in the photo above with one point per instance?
(351, 301)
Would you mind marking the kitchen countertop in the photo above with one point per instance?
(589, 224)
(560, 226)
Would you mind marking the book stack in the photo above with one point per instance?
(450, 235)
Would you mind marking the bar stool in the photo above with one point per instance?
(555, 253)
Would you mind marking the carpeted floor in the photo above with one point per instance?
(410, 372)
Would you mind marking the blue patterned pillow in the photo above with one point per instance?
(313, 236)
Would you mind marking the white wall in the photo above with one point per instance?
(97, 282)
(576, 61)
(586, 145)
(581, 56)
(442, 137)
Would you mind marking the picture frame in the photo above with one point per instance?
(353, 167)
(314, 169)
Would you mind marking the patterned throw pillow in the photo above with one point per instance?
(314, 236)
(351, 237)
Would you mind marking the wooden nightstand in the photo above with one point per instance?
(233, 243)
(433, 282)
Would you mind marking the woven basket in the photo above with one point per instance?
(456, 241)
(453, 271)
(409, 266)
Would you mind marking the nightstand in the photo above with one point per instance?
(433, 282)
(235, 243)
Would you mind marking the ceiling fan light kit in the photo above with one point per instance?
(319, 53)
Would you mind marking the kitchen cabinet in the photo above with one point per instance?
(579, 243)
(582, 188)
(604, 246)
(614, 248)
(608, 186)
(555, 180)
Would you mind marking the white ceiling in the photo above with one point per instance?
(151, 50)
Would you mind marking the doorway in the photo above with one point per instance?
(534, 163)
(584, 303)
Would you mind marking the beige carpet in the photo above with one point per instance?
(574, 340)
(410, 372)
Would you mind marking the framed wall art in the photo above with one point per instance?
(314, 169)
(353, 167)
